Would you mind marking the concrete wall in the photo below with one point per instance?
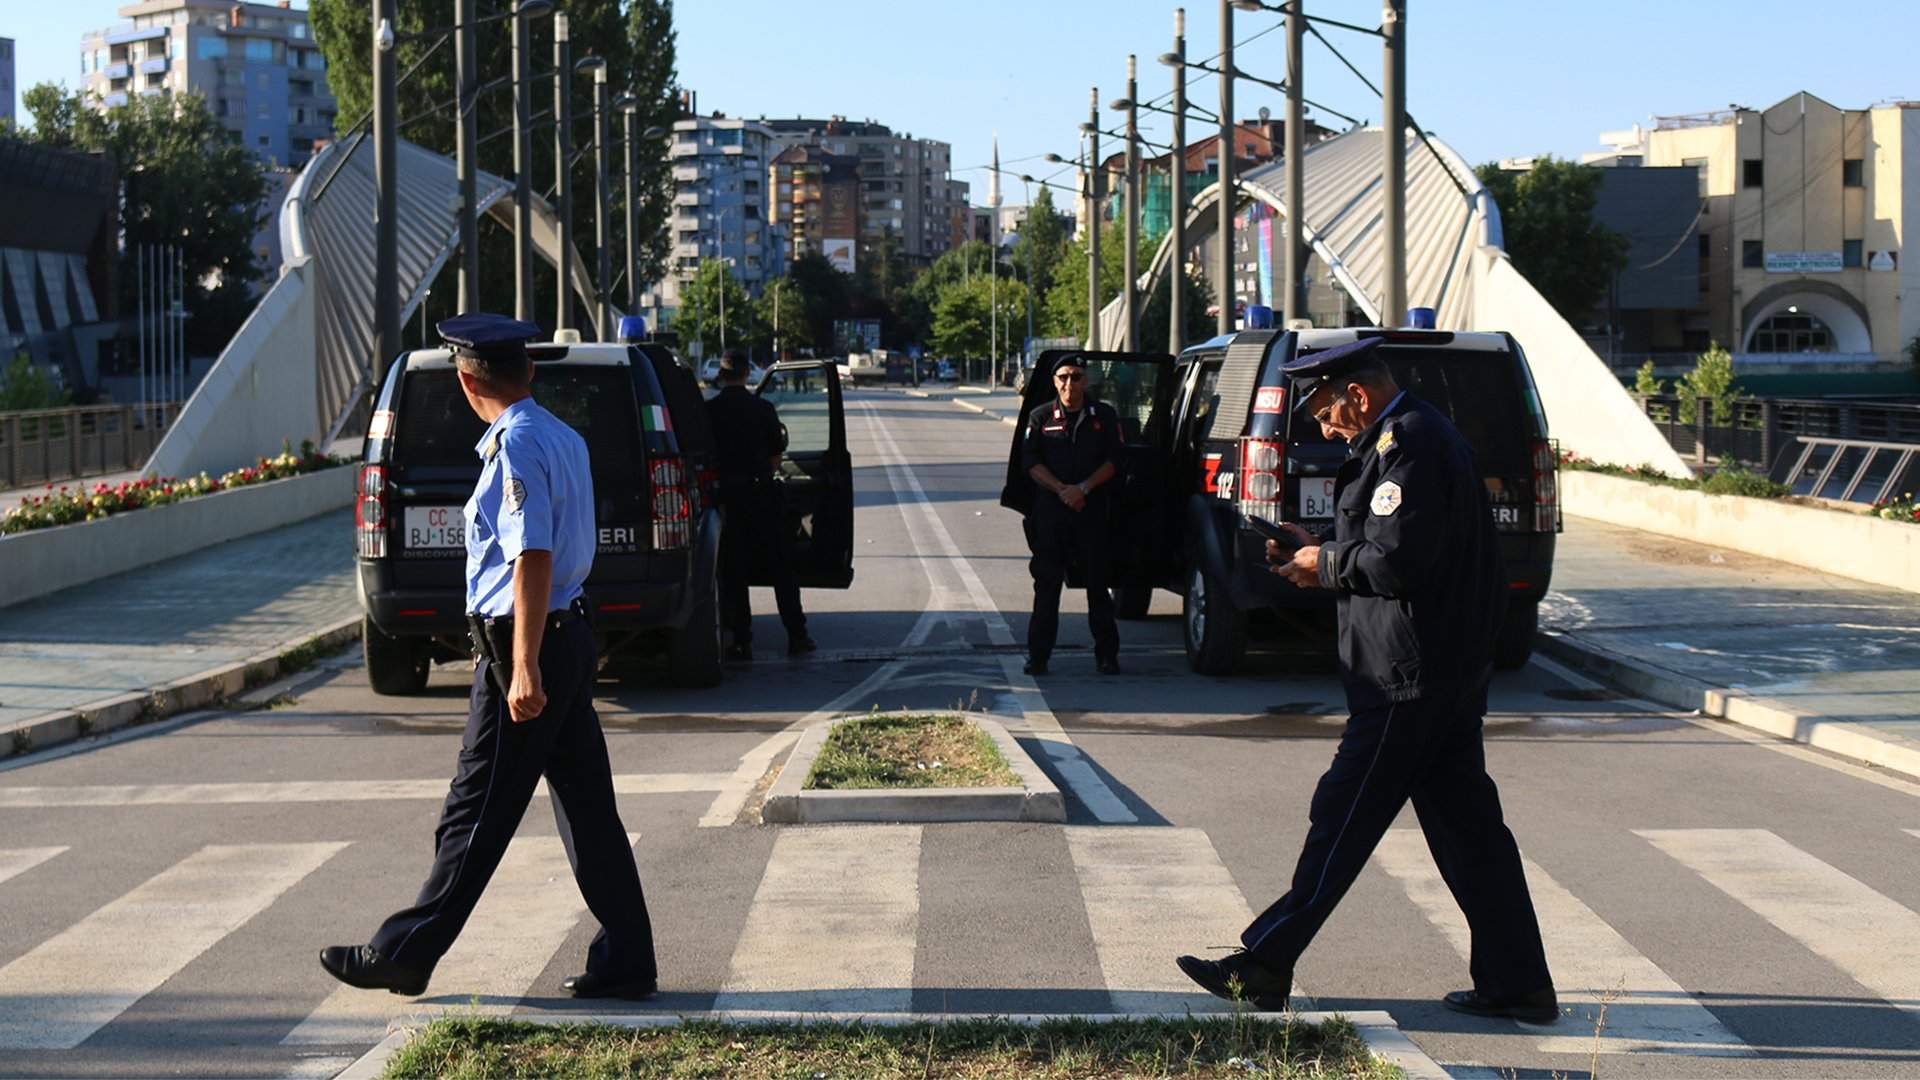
(1588, 410)
(261, 392)
(47, 560)
(1853, 545)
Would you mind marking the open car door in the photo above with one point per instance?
(816, 473)
(1140, 387)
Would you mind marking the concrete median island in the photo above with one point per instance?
(901, 767)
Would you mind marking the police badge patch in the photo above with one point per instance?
(516, 494)
(1386, 499)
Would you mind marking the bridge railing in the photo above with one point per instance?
(1757, 430)
(46, 446)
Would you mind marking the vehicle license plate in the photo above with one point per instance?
(436, 527)
(1316, 498)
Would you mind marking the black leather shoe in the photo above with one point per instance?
(1239, 977)
(1035, 667)
(589, 985)
(742, 653)
(364, 967)
(801, 646)
(1539, 1007)
(1108, 665)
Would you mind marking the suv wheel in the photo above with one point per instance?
(394, 666)
(694, 656)
(1216, 631)
(1132, 601)
(1514, 645)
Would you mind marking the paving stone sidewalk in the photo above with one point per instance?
(173, 619)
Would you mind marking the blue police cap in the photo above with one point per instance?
(1314, 370)
(487, 337)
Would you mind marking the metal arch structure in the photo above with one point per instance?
(1455, 264)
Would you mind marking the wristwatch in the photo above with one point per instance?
(1082, 485)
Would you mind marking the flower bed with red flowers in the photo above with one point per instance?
(66, 505)
(1902, 508)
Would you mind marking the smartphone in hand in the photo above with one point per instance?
(1287, 541)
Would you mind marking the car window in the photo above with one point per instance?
(805, 403)
(437, 427)
(1206, 397)
(1132, 388)
(1479, 391)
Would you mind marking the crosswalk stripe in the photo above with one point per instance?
(530, 906)
(305, 791)
(17, 861)
(833, 925)
(77, 981)
(1870, 937)
(1139, 883)
(1646, 1010)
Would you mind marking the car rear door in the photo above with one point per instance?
(1140, 387)
(816, 472)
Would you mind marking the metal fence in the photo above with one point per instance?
(1757, 431)
(46, 446)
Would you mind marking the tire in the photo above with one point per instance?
(1132, 601)
(394, 667)
(1215, 631)
(1514, 644)
(693, 659)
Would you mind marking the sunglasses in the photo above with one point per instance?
(1070, 377)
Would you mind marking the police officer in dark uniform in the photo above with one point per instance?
(1071, 450)
(1414, 561)
(530, 541)
(749, 439)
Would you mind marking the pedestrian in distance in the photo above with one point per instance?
(1071, 449)
(749, 440)
(530, 538)
(1414, 562)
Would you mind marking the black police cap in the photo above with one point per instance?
(1073, 360)
(734, 363)
(488, 338)
(1314, 370)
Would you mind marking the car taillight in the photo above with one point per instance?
(672, 505)
(1263, 464)
(370, 513)
(1546, 487)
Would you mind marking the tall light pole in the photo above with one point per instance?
(1223, 267)
(1393, 94)
(628, 106)
(1132, 272)
(1177, 232)
(1296, 294)
(1096, 185)
(466, 77)
(563, 165)
(522, 162)
(386, 257)
(602, 227)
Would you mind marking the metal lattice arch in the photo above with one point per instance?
(1455, 264)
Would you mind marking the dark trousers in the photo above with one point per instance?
(500, 763)
(754, 534)
(1429, 751)
(1058, 536)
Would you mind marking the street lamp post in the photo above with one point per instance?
(1296, 166)
(1393, 96)
(1132, 272)
(466, 77)
(386, 258)
(1095, 186)
(602, 227)
(522, 162)
(563, 165)
(1177, 230)
(1224, 265)
(628, 106)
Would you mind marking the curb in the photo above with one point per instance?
(1768, 715)
(1376, 1027)
(788, 802)
(989, 414)
(227, 682)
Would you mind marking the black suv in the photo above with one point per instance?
(1211, 437)
(653, 586)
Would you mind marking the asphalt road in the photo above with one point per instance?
(1737, 907)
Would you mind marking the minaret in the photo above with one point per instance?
(993, 197)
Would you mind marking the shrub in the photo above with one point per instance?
(1711, 379)
(1900, 508)
(23, 386)
(65, 506)
(1733, 480)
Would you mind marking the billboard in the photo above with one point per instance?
(839, 251)
(856, 335)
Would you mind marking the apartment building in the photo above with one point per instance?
(720, 176)
(256, 64)
(817, 197)
(905, 186)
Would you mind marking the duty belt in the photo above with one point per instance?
(493, 638)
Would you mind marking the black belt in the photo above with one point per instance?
(493, 638)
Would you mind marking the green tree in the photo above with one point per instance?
(1066, 307)
(23, 386)
(714, 304)
(637, 39)
(1711, 380)
(1546, 216)
(1043, 240)
(964, 315)
(1194, 303)
(187, 184)
(1647, 386)
(784, 304)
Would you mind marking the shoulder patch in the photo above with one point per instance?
(1386, 442)
(1386, 499)
(514, 493)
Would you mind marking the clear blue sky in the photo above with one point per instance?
(1495, 78)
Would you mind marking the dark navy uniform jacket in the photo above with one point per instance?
(746, 435)
(1072, 446)
(1415, 561)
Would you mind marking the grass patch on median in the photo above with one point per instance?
(1064, 1049)
(925, 751)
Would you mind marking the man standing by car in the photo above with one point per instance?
(530, 540)
(748, 440)
(1415, 563)
(1071, 449)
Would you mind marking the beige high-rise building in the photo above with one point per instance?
(1806, 210)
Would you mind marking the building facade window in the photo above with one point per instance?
(1752, 254)
(1851, 255)
(1792, 332)
(1853, 173)
(259, 50)
(212, 47)
(1753, 173)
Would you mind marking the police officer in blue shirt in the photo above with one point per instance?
(530, 540)
(1416, 566)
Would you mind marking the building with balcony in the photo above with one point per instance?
(720, 182)
(256, 64)
(905, 187)
(816, 195)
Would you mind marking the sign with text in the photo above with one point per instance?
(1804, 262)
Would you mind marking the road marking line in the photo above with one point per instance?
(1137, 884)
(833, 925)
(1646, 1010)
(125, 950)
(1868, 936)
(305, 791)
(17, 861)
(530, 906)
